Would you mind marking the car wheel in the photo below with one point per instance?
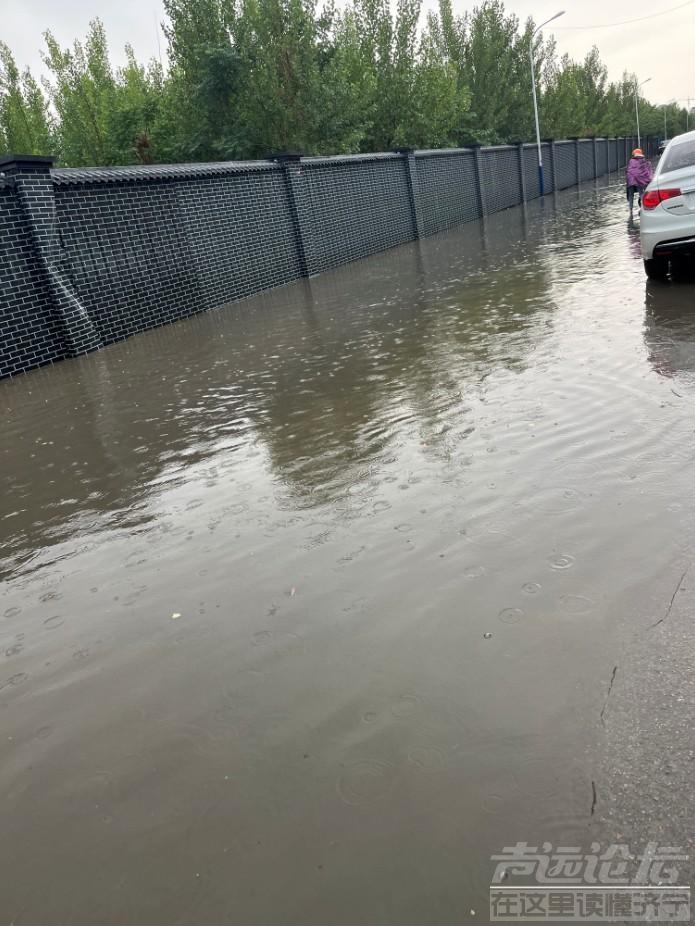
(656, 268)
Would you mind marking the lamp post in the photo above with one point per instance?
(688, 100)
(541, 187)
(637, 90)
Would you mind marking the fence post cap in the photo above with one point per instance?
(11, 163)
(285, 157)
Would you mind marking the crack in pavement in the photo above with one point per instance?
(610, 688)
(673, 598)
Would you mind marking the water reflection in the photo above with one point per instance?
(669, 328)
(633, 232)
(331, 584)
(320, 376)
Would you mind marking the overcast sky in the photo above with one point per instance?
(662, 48)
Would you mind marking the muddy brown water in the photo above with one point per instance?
(251, 563)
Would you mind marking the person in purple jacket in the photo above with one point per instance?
(637, 176)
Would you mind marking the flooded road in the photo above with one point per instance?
(311, 605)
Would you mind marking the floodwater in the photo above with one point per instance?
(310, 605)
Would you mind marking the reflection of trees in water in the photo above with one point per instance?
(397, 339)
(669, 328)
(323, 373)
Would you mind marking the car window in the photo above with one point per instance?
(682, 155)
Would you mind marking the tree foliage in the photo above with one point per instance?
(25, 121)
(246, 77)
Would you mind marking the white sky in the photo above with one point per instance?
(662, 48)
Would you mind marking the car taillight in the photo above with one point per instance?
(652, 198)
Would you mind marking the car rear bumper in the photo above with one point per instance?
(658, 239)
(676, 247)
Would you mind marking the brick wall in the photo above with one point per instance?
(447, 186)
(352, 207)
(29, 332)
(88, 257)
(149, 246)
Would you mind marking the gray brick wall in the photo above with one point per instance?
(565, 164)
(446, 183)
(29, 331)
(586, 160)
(500, 178)
(612, 154)
(151, 250)
(352, 207)
(88, 257)
(131, 265)
(531, 170)
(240, 233)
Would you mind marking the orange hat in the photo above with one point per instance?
(638, 153)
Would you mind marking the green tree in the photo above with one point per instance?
(574, 102)
(82, 90)
(279, 41)
(199, 118)
(437, 115)
(104, 117)
(245, 77)
(491, 57)
(137, 101)
(25, 123)
(347, 100)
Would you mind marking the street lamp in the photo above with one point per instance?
(637, 90)
(541, 188)
(688, 100)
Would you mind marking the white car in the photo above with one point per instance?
(667, 216)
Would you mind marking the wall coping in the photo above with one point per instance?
(441, 152)
(72, 176)
(18, 161)
(333, 159)
(78, 176)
